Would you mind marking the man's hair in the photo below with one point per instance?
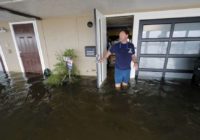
(125, 31)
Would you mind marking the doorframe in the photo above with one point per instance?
(4, 60)
(133, 72)
(123, 15)
(35, 28)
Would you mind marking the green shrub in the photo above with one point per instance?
(60, 71)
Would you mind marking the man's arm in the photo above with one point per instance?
(106, 55)
(134, 59)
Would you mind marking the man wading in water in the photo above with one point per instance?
(125, 53)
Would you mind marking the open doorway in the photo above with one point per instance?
(114, 26)
(107, 31)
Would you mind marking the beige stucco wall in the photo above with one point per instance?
(58, 34)
(8, 49)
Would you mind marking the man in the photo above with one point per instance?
(125, 53)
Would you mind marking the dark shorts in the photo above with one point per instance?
(122, 76)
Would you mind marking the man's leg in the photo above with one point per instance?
(118, 79)
(126, 78)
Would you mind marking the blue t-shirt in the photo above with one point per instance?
(123, 53)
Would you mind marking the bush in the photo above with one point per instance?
(60, 72)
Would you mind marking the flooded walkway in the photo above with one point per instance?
(147, 110)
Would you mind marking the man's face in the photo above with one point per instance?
(123, 36)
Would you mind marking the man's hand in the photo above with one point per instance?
(101, 60)
(136, 66)
(105, 56)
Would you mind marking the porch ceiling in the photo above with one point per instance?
(56, 8)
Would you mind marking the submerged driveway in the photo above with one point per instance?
(148, 110)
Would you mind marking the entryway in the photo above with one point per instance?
(114, 25)
(107, 30)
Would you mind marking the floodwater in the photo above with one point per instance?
(148, 110)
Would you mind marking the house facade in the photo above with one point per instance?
(53, 35)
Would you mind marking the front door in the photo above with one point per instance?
(28, 49)
(101, 42)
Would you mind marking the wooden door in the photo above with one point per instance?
(28, 49)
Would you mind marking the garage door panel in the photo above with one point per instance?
(147, 74)
(185, 47)
(156, 31)
(154, 47)
(178, 75)
(187, 30)
(149, 62)
(181, 63)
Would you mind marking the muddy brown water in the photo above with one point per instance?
(148, 110)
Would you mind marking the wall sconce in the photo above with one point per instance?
(3, 30)
(90, 24)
